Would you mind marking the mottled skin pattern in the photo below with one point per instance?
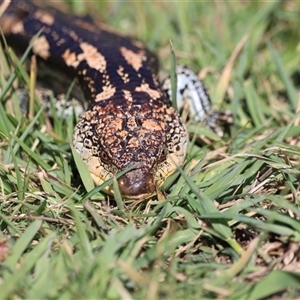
(129, 121)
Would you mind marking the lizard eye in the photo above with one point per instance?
(163, 155)
(104, 156)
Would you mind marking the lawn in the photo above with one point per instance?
(227, 227)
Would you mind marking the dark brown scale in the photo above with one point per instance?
(129, 118)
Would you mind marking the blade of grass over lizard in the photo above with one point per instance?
(108, 182)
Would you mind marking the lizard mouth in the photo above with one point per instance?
(137, 184)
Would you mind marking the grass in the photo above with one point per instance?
(227, 228)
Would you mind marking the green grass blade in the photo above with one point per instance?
(290, 88)
(273, 283)
(23, 242)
